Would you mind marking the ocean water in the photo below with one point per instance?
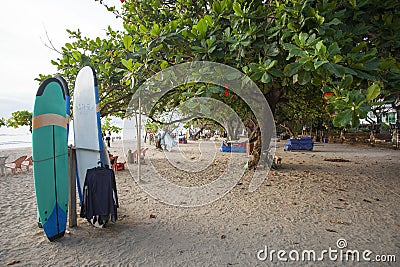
(19, 138)
(15, 138)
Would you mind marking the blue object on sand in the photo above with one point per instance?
(233, 147)
(305, 143)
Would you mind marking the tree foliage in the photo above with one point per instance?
(308, 47)
(20, 118)
(2, 122)
(294, 50)
(107, 126)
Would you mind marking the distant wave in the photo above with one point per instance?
(19, 138)
(15, 138)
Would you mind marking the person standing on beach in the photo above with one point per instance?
(108, 139)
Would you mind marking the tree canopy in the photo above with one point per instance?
(19, 118)
(294, 50)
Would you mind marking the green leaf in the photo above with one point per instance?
(337, 58)
(333, 49)
(335, 69)
(355, 120)
(310, 39)
(294, 51)
(157, 48)
(255, 67)
(216, 6)
(292, 68)
(320, 19)
(357, 98)
(155, 31)
(319, 63)
(202, 28)
(76, 55)
(359, 47)
(69, 46)
(275, 72)
(266, 78)
(127, 63)
(347, 81)
(272, 64)
(164, 65)
(127, 41)
(303, 38)
(304, 77)
(238, 9)
(343, 118)
(373, 92)
(335, 21)
(209, 20)
(256, 76)
(143, 28)
(320, 49)
(353, 3)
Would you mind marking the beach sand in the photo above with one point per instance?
(307, 204)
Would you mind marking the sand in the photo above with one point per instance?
(307, 204)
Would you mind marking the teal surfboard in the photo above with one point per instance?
(50, 156)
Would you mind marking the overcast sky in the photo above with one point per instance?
(23, 26)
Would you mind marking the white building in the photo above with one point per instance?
(388, 115)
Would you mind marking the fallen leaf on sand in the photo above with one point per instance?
(223, 236)
(343, 190)
(339, 208)
(152, 216)
(12, 262)
(330, 230)
(366, 200)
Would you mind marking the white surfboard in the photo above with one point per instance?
(87, 126)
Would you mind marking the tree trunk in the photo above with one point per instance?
(255, 137)
(273, 97)
(342, 136)
(396, 132)
(197, 134)
(372, 134)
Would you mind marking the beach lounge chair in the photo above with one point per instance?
(114, 162)
(3, 170)
(27, 163)
(16, 164)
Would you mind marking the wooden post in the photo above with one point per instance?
(72, 218)
(139, 133)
